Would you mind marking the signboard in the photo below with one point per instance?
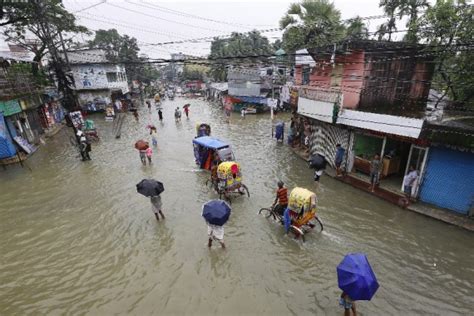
(23, 143)
(10, 107)
(318, 110)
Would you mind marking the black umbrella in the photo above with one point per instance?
(317, 162)
(150, 187)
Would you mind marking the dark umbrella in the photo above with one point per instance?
(141, 145)
(317, 162)
(216, 212)
(150, 187)
(186, 105)
(356, 278)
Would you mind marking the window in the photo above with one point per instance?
(306, 73)
(112, 77)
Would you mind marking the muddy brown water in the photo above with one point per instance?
(76, 238)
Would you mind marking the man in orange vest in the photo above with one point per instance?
(281, 198)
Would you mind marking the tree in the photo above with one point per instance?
(356, 29)
(311, 23)
(402, 8)
(12, 12)
(45, 20)
(53, 19)
(277, 44)
(448, 29)
(389, 8)
(119, 48)
(195, 72)
(249, 47)
(411, 8)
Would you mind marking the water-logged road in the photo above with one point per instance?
(76, 238)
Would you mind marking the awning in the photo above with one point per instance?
(220, 86)
(388, 124)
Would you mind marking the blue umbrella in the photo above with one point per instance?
(216, 212)
(356, 278)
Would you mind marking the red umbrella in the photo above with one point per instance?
(141, 145)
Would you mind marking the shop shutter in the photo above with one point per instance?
(449, 180)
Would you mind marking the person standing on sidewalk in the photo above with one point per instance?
(409, 181)
(338, 160)
(374, 172)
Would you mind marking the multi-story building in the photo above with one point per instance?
(98, 82)
(371, 98)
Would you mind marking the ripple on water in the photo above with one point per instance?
(78, 239)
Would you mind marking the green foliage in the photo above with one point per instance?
(195, 72)
(238, 45)
(401, 9)
(356, 29)
(37, 25)
(444, 25)
(24, 71)
(120, 48)
(319, 24)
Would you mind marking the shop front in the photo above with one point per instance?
(17, 129)
(394, 139)
(396, 153)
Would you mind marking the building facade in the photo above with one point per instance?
(370, 98)
(98, 82)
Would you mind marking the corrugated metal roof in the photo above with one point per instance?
(389, 124)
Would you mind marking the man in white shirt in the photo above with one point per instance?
(409, 180)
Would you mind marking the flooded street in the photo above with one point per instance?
(76, 238)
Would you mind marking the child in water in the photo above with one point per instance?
(153, 136)
(149, 153)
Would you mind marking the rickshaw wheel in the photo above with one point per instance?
(267, 213)
(316, 224)
(246, 189)
(297, 232)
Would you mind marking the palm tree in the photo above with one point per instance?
(356, 29)
(412, 8)
(389, 7)
(311, 23)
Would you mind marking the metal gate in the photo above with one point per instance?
(449, 180)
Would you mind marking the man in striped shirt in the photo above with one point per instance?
(281, 198)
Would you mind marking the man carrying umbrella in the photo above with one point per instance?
(216, 213)
(152, 189)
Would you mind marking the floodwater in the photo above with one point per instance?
(76, 238)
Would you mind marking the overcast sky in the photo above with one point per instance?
(152, 22)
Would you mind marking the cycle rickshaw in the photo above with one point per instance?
(300, 216)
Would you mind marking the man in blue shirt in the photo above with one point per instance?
(339, 157)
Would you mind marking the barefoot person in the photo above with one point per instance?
(348, 304)
(156, 206)
(215, 232)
